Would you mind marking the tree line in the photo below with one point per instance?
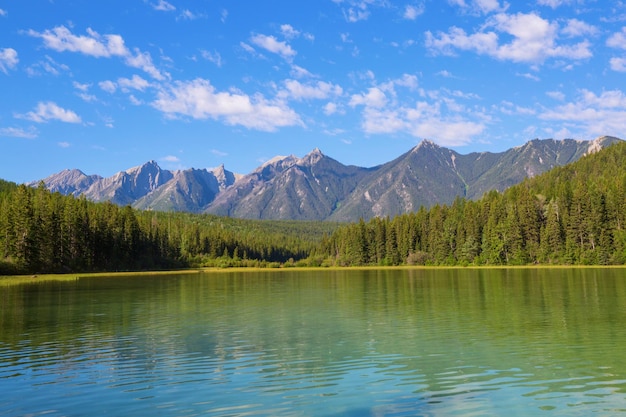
(42, 232)
(574, 214)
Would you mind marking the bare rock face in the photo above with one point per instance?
(317, 187)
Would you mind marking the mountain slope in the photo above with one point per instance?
(317, 187)
(526, 161)
(290, 188)
(425, 175)
(190, 190)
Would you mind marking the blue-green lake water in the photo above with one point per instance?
(445, 342)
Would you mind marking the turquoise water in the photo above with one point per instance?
(458, 342)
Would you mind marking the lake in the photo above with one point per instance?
(387, 342)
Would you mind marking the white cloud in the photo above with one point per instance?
(199, 99)
(408, 80)
(289, 32)
(553, 3)
(575, 27)
(108, 86)
(164, 6)
(62, 39)
(213, 57)
(320, 90)
(427, 121)
(591, 114)
(170, 158)
(81, 87)
(135, 83)
(479, 6)
(357, 10)
(618, 64)
(3, 12)
(64, 144)
(271, 44)
(442, 118)
(331, 108)
(49, 65)
(143, 61)
(47, 111)
(18, 132)
(411, 12)
(299, 72)
(8, 59)
(374, 98)
(556, 95)
(189, 15)
(534, 40)
(617, 40)
(528, 76)
(247, 47)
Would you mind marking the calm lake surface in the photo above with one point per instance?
(450, 342)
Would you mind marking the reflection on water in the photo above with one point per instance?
(320, 343)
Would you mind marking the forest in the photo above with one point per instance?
(44, 232)
(572, 215)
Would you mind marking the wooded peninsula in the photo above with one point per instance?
(571, 215)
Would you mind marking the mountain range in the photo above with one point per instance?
(317, 187)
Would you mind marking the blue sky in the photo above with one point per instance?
(105, 86)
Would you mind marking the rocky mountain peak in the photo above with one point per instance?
(316, 187)
(312, 157)
(425, 144)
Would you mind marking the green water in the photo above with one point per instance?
(457, 342)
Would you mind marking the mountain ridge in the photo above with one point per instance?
(317, 187)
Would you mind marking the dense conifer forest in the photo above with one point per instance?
(42, 232)
(574, 214)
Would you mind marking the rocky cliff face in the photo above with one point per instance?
(317, 187)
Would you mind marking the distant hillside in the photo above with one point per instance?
(572, 214)
(317, 187)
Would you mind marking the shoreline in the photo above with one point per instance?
(33, 278)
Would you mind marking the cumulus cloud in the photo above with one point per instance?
(618, 64)
(198, 99)
(271, 44)
(411, 12)
(575, 27)
(534, 40)
(134, 83)
(61, 39)
(591, 114)
(440, 118)
(617, 40)
(8, 59)
(48, 111)
(320, 90)
(373, 98)
(108, 86)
